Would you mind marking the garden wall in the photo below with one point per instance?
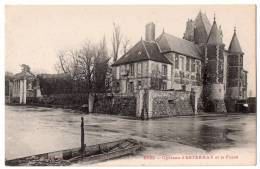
(116, 105)
(156, 104)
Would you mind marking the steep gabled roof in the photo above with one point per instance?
(202, 20)
(143, 50)
(234, 46)
(202, 28)
(170, 43)
(214, 35)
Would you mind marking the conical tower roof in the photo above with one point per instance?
(214, 35)
(234, 46)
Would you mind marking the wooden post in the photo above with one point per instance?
(82, 134)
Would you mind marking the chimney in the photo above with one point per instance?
(150, 31)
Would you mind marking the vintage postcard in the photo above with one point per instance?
(130, 85)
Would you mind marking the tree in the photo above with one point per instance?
(87, 67)
(116, 41)
(125, 45)
(25, 68)
(101, 67)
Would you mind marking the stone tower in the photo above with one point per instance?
(236, 74)
(197, 31)
(214, 71)
(189, 32)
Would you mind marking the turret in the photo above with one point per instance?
(189, 32)
(234, 46)
(235, 76)
(214, 73)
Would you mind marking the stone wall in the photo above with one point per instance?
(116, 105)
(57, 100)
(169, 103)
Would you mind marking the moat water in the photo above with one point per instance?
(34, 130)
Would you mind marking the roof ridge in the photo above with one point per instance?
(145, 49)
(124, 55)
(158, 46)
(160, 36)
(171, 43)
(181, 39)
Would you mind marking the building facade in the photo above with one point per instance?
(23, 86)
(197, 62)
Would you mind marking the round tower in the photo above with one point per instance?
(236, 89)
(214, 71)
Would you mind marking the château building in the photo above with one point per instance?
(198, 62)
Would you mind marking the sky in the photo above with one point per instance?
(35, 34)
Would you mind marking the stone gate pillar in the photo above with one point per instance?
(20, 82)
(91, 99)
(139, 103)
(24, 91)
(194, 101)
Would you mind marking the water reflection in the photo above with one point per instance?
(33, 130)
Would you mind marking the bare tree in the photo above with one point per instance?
(116, 41)
(64, 64)
(25, 68)
(102, 67)
(87, 66)
(125, 45)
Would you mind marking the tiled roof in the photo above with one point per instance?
(143, 50)
(214, 35)
(154, 53)
(170, 43)
(234, 46)
(203, 20)
(202, 28)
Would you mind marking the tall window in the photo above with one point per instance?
(131, 87)
(182, 63)
(117, 72)
(193, 65)
(122, 70)
(131, 73)
(164, 86)
(139, 69)
(139, 84)
(198, 67)
(144, 69)
(241, 60)
(176, 61)
(187, 64)
(164, 70)
(117, 88)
